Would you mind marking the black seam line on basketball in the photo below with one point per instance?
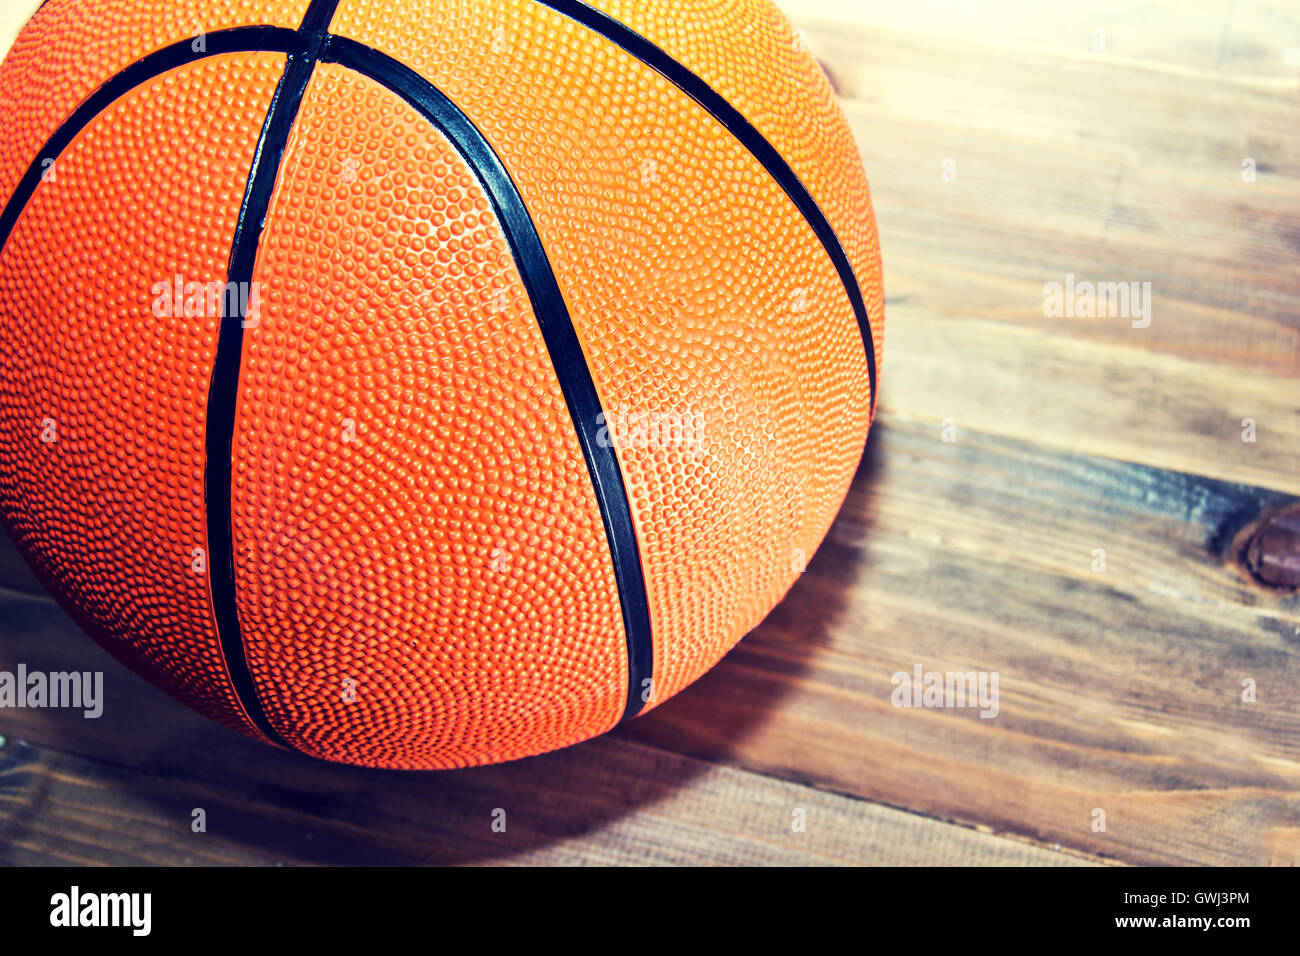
(316, 21)
(556, 327)
(252, 39)
(223, 388)
(260, 39)
(734, 121)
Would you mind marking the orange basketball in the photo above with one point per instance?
(426, 383)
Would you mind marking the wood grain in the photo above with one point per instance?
(608, 802)
(1109, 169)
(1241, 39)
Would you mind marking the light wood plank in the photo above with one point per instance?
(1107, 171)
(1241, 39)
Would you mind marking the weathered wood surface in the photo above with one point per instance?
(1110, 167)
(606, 803)
(1121, 690)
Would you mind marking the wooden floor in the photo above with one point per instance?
(1111, 156)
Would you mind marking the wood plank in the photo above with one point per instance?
(1058, 392)
(1238, 39)
(609, 802)
(1138, 180)
(1096, 187)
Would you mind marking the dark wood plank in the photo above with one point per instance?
(608, 802)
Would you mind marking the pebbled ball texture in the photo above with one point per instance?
(409, 488)
(103, 403)
(421, 571)
(71, 47)
(697, 290)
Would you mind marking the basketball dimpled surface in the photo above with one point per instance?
(101, 422)
(696, 287)
(409, 489)
(72, 47)
(421, 571)
(749, 53)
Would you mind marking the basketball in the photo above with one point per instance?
(427, 383)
